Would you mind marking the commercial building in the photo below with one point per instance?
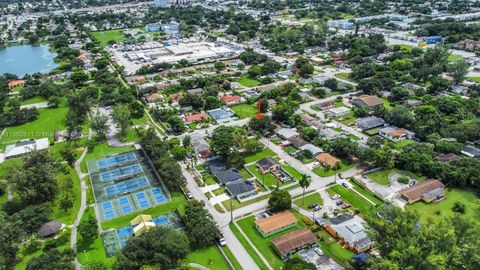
(276, 223)
(286, 245)
(427, 191)
(26, 146)
(171, 29)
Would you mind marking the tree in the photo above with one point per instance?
(95, 266)
(219, 66)
(88, 229)
(212, 102)
(332, 83)
(170, 173)
(304, 183)
(52, 259)
(360, 111)
(296, 263)
(68, 154)
(200, 227)
(176, 124)
(162, 246)
(78, 77)
(304, 67)
(98, 123)
(262, 125)
(223, 141)
(121, 115)
(178, 152)
(458, 70)
(66, 202)
(438, 85)
(280, 200)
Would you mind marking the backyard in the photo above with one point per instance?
(382, 177)
(245, 110)
(259, 155)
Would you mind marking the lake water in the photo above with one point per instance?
(26, 59)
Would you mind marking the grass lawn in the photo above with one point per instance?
(244, 110)
(105, 36)
(178, 202)
(209, 257)
(309, 199)
(58, 214)
(102, 150)
(454, 57)
(33, 100)
(367, 193)
(402, 143)
(343, 75)
(352, 198)
(443, 209)
(353, 137)
(333, 249)
(248, 82)
(382, 176)
(292, 171)
(232, 259)
(386, 103)
(247, 247)
(289, 149)
(268, 179)
(347, 119)
(343, 167)
(208, 179)
(48, 120)
(92, 251)
(245, 174)
(259, 155)
(219, 191)
(264, 244)
(474, 79)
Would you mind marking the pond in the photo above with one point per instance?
(26, 59)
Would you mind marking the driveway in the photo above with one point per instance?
(321, 262)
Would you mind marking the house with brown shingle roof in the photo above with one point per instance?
(369, 101)
(427, 191)
(275, 223)
(327, 159)
(286, 245)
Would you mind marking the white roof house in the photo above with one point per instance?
(26, 146)
(339, 111)
(287, 133)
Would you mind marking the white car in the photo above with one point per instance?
(319, 251)
(335, 197)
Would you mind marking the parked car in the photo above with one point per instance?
(345, 206)
(317, 208)
(339, 202)
(346, 185)
(221, 241)
(189, 195)
(312, 206)
(319, 251)
(335, 197)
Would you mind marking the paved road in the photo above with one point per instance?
(39, 105)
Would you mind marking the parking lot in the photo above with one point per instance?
(322, 262)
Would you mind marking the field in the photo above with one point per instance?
(382, 177)
(248, 82)
(245, 110)
(443, 209)
(320, 171)
(105, 36)
(309, 199)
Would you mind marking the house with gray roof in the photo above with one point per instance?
(314, 150)
(287, 133)
(26, 146)
(234, 182)
(222, 115)
(350, 229)
(369, 122)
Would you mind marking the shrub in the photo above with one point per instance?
(459, 207)
(403, 180)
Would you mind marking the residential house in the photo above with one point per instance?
(369, 101)
(231, 100)
(196, 117)
(446, 158)
(16, 83)
(195, 91)
(268, 165)
(153, 98)
(232, 179)
(467, 45)
(396, 134)
(312, 149)
(339, 111)
(350, 230)
(308, 120)
(369, 122)
(287, 133)
(412, 102)
(326, 159)
(222, 115)
(470, 151)
(286, 245)
(50, 229)
(200, 146)
(327, 105)
(275, 223)
(26, 146)
(297, 141)
(332, 134)
(427, 191)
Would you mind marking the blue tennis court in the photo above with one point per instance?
(107, 205)
(116, 160)
(144, 204)
(125, 232)
(161, 220)
(121, 172)
(140, 195)
(123, 200)
(127, 187)
(126, 209)
(109, 214)
(160, 199)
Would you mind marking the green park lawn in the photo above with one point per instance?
(49, 120)
(309, 199)
(320, 170)
(443, 209)
(65, 180)
(264, 244)
(105, 36)
(248, 82)
(259, 155)
(474, 79)
(102, 150)
(352, 198)
(245, 110)
(177, 202)
(382, 177)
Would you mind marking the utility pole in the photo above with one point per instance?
(231, 210)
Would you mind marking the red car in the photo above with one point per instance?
(345, 206)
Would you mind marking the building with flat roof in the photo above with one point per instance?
(26, 146)
(222, 115)
(276, 223)
(427, 191)
(396, 134)
(286, 245)
(369, 122)
(351, 230)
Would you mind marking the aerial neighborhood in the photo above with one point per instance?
(230, 135)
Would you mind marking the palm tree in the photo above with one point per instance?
(304, 183)
(335, 168)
